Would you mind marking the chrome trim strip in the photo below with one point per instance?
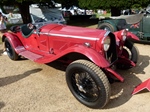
(72, 36)
(106, 34)
(67, 36)
(41, 33)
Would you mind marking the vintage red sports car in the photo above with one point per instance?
(92, 55)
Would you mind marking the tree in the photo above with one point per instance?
(67, 3)
(115, 5)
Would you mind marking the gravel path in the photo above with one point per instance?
(26, 86)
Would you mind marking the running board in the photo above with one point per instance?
(30, 55)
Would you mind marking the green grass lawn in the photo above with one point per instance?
(105, 15)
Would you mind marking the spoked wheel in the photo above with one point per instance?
(130, 52)
(10, 50)
(88, 83)
(106, 26)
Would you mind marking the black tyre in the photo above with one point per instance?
(88, 83)
(106, 26)
(131, 52)
(10, 50)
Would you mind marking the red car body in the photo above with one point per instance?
(52, 42)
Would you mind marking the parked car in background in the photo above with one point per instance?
(139, 24)
(91, 55)
(39, 14)
(46, 14)
(66, 14)
(12, 18)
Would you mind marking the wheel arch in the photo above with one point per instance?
(132, 36)
(16, 43)
(90, 54)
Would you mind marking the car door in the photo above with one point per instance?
(30, 42)
(43, 40)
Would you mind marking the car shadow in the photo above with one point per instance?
(59, 65)
(122, 92)
(143, 62)
(1, 52)
(11, 79)
(21, 58)
(2, 104)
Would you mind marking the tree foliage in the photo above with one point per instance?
(107, 4)
(114, 5)
(67, 3)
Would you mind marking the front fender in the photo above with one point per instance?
(91, 54)
(132, 36)
(15, 42)
(96, 58)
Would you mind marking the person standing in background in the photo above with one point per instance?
(3, 29)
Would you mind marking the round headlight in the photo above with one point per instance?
(124, 37)
(124, 34)
(106, 43)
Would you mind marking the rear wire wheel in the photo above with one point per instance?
(10, 50)
(88, 83)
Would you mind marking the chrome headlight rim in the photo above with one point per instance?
(124, 34)
(106, 43)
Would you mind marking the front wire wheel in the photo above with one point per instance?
(131, 52)
(88, 83)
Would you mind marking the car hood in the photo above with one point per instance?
(65, 30)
